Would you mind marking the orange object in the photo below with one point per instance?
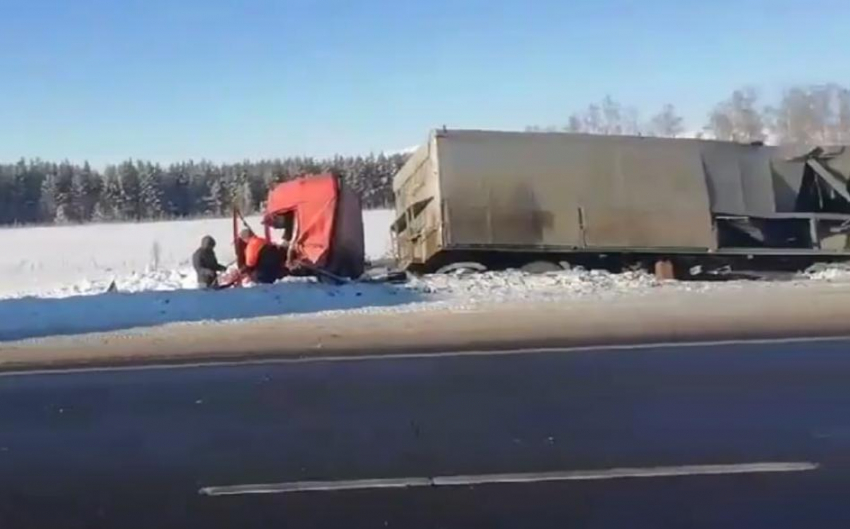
(313, 200)
(252, 251)
(328, 223)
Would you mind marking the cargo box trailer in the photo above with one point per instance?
(538, 200)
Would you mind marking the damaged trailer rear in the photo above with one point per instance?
(509, 199)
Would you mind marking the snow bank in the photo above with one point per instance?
(33, 317)
(834, 272)
(156, 298)
(515, 285)
(44, 260)
(159, 297)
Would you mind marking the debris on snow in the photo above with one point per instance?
(515, 285)
(829, 272)
(161, 297)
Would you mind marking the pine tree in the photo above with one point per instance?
(6, 195)
(37, 191)
(150, 191)
(106, 207)
(62, 196)
(129, 204)
(27, 192)
(84, 191)
(216, 199)
(179, 194)
(48, 198)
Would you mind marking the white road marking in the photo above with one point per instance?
(528, 477)
(310, 358)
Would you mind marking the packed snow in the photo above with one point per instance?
(514, 285)
(831, 273)
(55, 281)
(156, 298)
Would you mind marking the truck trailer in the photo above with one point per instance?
(487, 199)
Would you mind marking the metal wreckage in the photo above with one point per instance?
(541, 201)
(479, 200)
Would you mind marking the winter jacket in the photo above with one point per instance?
(262, 260)
(206, 265)
(252, 251)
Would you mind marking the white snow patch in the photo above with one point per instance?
(515, 285)
(831, 273)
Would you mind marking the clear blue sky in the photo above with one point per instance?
(227, 79)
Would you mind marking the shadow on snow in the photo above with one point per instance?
(26, 318)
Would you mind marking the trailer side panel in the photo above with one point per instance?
(572, 191)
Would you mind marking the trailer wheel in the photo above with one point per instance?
(462, 268)
(541, 267)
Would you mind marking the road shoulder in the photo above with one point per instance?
(748, 312)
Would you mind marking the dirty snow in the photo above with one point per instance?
(831, 273)
(515, 285)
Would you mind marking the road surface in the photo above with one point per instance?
(723, 435)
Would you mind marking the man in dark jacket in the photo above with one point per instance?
(206, 265)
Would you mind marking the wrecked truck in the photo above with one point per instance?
(544, 201)
(314, 224)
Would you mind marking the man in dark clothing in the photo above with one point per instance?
(206, 265)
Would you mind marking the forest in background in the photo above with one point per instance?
(39, 192)
(42, 192)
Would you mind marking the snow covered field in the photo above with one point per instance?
(72, 260)
(52, 281)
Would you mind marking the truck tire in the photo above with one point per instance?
(541, 267)
(468, 267)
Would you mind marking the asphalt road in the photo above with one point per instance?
(192, 447)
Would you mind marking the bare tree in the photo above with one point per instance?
(667, 123)
(844, 116)
(592, 119)
(630, 122)
(612, 116)
(538, 128)
(738, 118)
(793, 120)
(608, 117)
(813, 115)
(574, 124)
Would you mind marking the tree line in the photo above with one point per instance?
(803, 115)
(40, 192)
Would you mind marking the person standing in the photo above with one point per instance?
(206, 264)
